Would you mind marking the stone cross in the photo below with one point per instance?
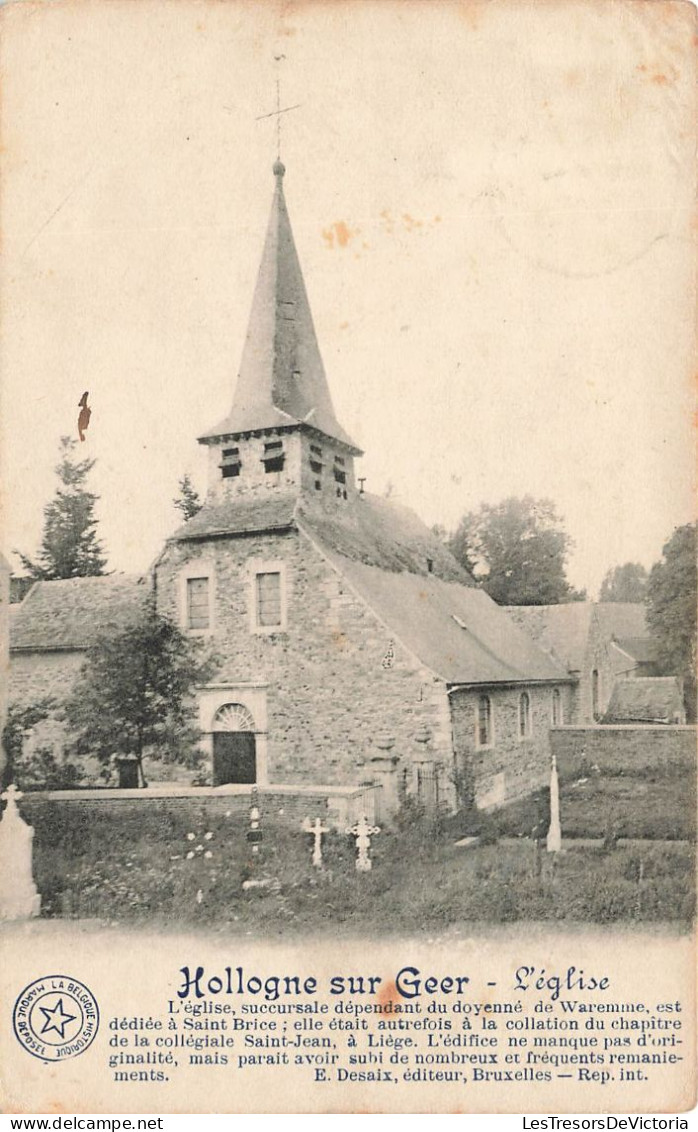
(317, 829)
(363, 832)
(19, 899)
(554, 839)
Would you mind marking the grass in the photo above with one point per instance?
(421, 881)
(662, 808)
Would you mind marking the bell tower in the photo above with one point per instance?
(281, 435)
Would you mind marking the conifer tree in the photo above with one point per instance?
(188, 503)
(69, 545)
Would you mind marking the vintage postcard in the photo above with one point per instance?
(348, 589)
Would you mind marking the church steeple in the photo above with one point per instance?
(281, 383)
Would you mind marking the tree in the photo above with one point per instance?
(518, 550)
(671, 610)
(37, 769)
(69, 545)
(134, 695)
(188, 503)
(624, 583)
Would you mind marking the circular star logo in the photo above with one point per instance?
(55, 1017)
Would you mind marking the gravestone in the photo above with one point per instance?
(363, 832)
(317, 829)
(19, 899)
(554, 838)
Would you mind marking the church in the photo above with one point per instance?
(353, 647)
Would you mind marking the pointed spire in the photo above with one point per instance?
(282, 379)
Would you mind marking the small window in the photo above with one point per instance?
(524, 715)
(230, 464)
(268, 600)
(557, 714)
(197, 603)
(273, 457)
(484, 722)
(338, 470)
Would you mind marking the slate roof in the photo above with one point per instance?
(645, 699)
(562, 630)
(454, 627)
(282, 379)
(379, 532)
(372, 530)
(239, 516)
(74, 613)
(457, 631)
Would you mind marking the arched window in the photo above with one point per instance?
(233, 717)
(556, 710)
(484, 732)
(524, 715)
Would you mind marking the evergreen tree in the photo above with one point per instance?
(188, 503)
(69, 545)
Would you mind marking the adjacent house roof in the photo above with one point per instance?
(282, 379)
(565, 630)
(74, 613)
(624, 619)
(645, 699)
(642, 649)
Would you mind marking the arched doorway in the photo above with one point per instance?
(234, 746)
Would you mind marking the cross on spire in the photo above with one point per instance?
(279, 110)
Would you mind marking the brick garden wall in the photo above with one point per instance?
(623, 749)
(197, 805)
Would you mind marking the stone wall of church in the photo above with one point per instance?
(344, 701)
(509, 767)
(37, 675)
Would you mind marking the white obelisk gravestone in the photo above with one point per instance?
(554, 839)
(19, 899)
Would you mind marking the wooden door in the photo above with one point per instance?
(234, 757)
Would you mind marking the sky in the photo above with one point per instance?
(493, 208)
